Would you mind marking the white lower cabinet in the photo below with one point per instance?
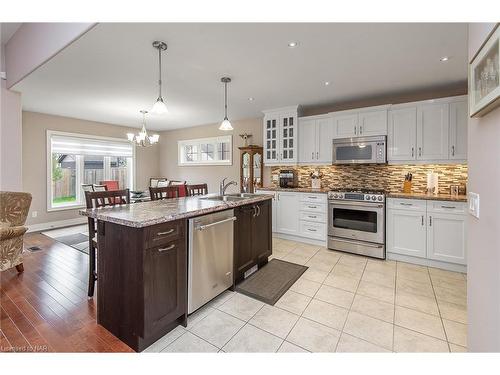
(287, 213)
(434, 230)
(406, 232)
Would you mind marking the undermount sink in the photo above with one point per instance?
(224, 198)
(242, 195)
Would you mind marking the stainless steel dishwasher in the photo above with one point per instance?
(210, 266)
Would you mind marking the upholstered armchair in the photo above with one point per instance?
(14, 207)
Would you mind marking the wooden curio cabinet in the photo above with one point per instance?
(251, 166)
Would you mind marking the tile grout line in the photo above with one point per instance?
(394, 314)
(439, 310)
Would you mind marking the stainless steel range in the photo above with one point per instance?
(356, 221)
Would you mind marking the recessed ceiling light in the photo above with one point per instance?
(251, 99)
(292, 44)
(327, 83)
(444, 58)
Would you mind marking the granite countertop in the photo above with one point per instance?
(435, 197)
(300, 190)
(139, 215)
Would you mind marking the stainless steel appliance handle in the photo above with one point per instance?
(161, 250)
(364, 243)
(167, 232)
(203, 227)
(356, 204)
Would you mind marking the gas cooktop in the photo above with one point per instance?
(357, 194)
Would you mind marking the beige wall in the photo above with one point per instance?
(483, 265)
(35, 126)
(209, 174)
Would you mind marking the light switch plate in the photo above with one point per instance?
(474, 204)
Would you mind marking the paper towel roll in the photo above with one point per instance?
(432, 182)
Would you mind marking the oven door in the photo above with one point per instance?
(356, 221)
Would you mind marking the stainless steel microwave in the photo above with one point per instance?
(360, 150)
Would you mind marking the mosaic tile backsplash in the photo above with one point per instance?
(377, 176)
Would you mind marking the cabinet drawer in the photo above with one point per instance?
(313, 198)
(406, 204)
(163, 233)
(446, 207)
(315, 231)
(312, 207)
(313, 216)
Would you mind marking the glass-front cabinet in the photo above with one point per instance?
(251, 166)
(280, 136)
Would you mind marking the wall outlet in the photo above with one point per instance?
(474, 204)
(34, 214)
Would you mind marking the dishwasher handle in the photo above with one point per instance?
(206, 226)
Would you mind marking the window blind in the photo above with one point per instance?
(62, 144)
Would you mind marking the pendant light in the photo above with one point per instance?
(142, 138)
(159, 107)
(226, 124)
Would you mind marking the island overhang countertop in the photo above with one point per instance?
(139, 215)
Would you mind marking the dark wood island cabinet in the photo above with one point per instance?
(142, 264)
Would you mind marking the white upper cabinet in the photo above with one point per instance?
(432, 131)
(345, 125)
(307, 140)
(458, 130)
(280, 136)
(402, 137)
(315, 139)
(324, 136)
(372, 123)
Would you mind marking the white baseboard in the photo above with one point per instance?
(56, 224)
(428, 262)
(299, 239)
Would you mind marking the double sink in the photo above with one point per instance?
(229, 197)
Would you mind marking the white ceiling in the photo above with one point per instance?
(110, 73)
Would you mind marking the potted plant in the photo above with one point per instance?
(316, 179)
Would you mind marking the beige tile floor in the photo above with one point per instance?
(342, 303)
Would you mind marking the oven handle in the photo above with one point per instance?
(356, 242)
(355, 204)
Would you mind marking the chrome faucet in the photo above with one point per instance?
(223, 186)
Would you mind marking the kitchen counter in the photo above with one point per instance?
(139, 215)
(300, 190)
(425, 196)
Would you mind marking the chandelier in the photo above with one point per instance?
(142, 138)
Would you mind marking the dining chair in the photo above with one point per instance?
(165, 192)
(198, 189)
(98, 199)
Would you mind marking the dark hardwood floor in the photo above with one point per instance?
(46, 308)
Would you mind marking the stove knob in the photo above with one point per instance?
(341, 196)
(380, 198)
(335, 195)
(367, 197)
(374, 198)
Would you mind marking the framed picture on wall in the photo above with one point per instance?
(484, 77)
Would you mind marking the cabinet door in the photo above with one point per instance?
(402, 133)
(288, 138)
(345, 126)
(165, 284)
(243, 253)
(287, 220)
(273, 206)
(271, 139)
(458, 130)
(261, 232)
(406, 232)
(373, 123)
(307, 141)
(324, 136)
(446, 238)
(432, 132)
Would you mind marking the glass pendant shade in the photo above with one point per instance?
(226, 125)
(142, 138)
(159, 107)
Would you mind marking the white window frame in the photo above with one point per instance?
(79, 160)
(198, 142)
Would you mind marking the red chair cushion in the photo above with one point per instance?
(111, 185)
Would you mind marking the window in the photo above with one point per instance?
(206, 151)
(74, 160)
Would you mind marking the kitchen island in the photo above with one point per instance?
(142, 284)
